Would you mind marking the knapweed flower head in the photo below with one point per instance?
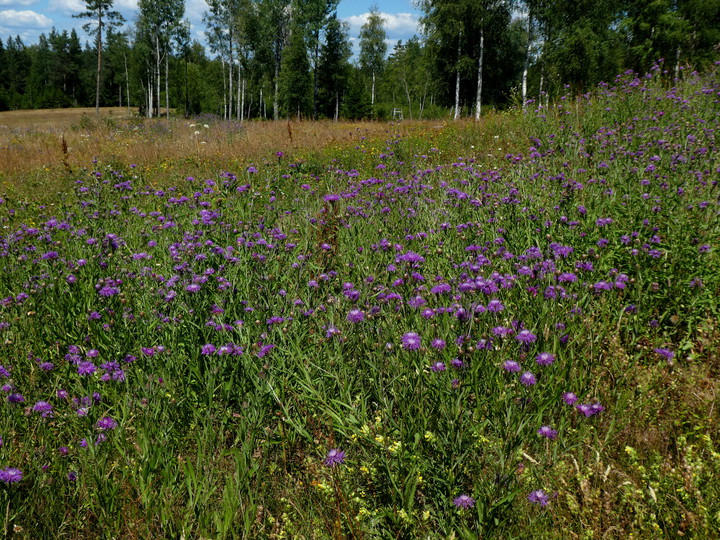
(44, 408)
(548, 432)
(539, 497)
(545, 359)
(411, 341)
(667, 354)
(106, 423)
(355, 316)
(528, 379)
(334, 457)
(10, 475)
(437, 367)
(590, 409)
(464, 501)
(525, 337)
(511, 366)
(569, 398)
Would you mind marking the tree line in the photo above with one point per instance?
(293, 58)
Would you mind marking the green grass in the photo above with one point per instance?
(222, 318)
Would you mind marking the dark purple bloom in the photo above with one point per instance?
(86, 368)
(44, 408)
(511, 366)
(547, 431)
(525, 336)
(590, 409)
(207, 349)
(545, 358)
(569, 398)
(355, 316)
(464, 501)
(437, 367)
(411, 341)
(10, 475)
(528, 379)
(106, 423)
(665, 353)
(539, 497)
(438, 344)
(334, 457)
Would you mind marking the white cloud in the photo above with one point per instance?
(67, 7)
(24, 19)
(17, 2)
(122, 5)
(397, 25)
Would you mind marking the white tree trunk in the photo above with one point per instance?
(167, 90)
(457, 86)
(158, 71)
(150, 96)
(478, 96)
(527, 63)
(276, 107)
(372, 93)
(242, 103)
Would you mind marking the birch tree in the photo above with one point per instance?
(373, 47)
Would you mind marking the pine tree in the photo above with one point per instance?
(295, 79)
(101, 15)
(334, 67)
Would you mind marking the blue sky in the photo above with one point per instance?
(30, 18)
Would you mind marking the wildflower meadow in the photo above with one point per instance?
(498, 329)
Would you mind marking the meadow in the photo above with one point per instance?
(502, 329)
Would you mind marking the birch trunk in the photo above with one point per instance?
(276, 107)
(457, 85)
(167, 89)
(372, 92)
(478, 96)
(158, 72)
(527, 63)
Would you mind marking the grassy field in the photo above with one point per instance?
(503, 329)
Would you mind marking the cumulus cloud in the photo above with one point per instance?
(24, 19)
(67, 7)
(17, 2)
(397, 25)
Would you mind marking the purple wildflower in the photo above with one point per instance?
(334, 457)
(526, 337)
(106, 423)
(665, 353)
(545, 358)
(539, 497)
(44, 408)
(547, 431)
(437, 367)
(528, 379)
(411, 341)
(511, 366)
(590, 409)
(569, 398)
(10, 475)
(464, 501)
(438, 344)
(207, 349)
(355, 316)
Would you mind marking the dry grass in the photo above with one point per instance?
(54, 118)
(31, 143)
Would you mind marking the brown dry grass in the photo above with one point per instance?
(31, 144)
